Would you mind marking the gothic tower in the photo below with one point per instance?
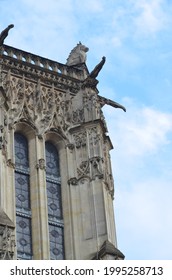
(56, 185)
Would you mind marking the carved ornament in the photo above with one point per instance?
(96, 167)
(80, 139)
(41, 164)
(70, 146)
(73, 181)
(10, 163)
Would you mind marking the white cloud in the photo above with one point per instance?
(147, 205)
(141, 163)
(47, 29)
(144, 219)
(150, 17)
(116, 42)
(140, 131)
(90, 6)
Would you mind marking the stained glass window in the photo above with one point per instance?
(55, 219)
(22, 192)
(21, 152)
(56, 242)
(24, 245)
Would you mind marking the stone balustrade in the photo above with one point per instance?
(41, 62)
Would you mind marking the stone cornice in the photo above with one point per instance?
(35, 67)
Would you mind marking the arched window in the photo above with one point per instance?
(22, 193)
(55, 219)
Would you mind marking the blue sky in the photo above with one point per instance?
(136, 38)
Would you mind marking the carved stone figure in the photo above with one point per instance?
(96, 167)
(77, 55)
(97, 68)
(4, 33)
(41, 164)
(110, 102)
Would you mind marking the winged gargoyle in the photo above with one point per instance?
(94, 73)
(91, 80)
(4, 33)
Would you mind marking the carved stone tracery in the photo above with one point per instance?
(80, 139)
(3, 140)
(7, 241)
(49, 108)
(94, 141)
(108, 178)
(44, 107)
(83, 169)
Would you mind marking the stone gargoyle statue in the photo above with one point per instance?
(4, 33)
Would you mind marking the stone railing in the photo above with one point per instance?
(41, 62)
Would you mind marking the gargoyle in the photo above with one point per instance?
(4, 33)
(114, 104)
(91, 82)
(77, 55)
(98, 68)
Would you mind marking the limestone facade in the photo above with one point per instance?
(46, 101)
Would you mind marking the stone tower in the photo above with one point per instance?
(56, 185)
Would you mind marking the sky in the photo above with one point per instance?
(136, 39)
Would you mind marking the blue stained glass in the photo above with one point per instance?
(56, 242)
(22, 191)
(52, 181)
(24, 242)
(52, 161)
(56, 235)
(54, 199)
(21, 151)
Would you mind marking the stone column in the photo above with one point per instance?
(39, 200)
